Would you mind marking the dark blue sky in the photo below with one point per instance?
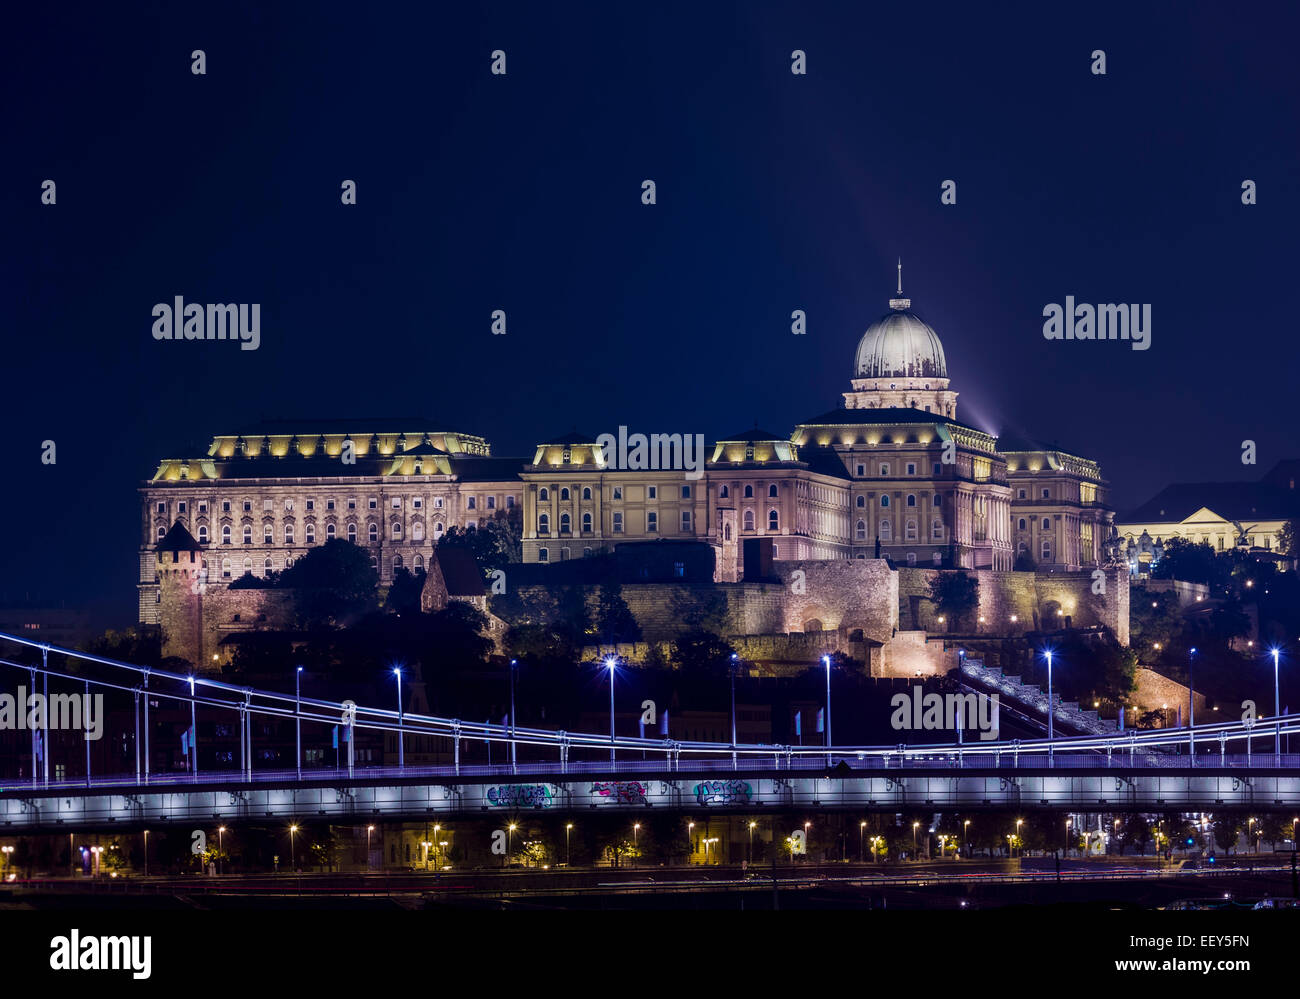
(522, 192)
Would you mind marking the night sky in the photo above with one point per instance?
(775, 192)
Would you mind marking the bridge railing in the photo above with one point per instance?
(1150, 748)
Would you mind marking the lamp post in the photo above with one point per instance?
(437, 828)
(221, 833)
(915, 848)
(297, 719)
(752, 824)
(690, 835)
(1019, 842)
(293, 864)
(568, 856)
(427, 846)
(146, 853)
(732, 670)
(8, 852)
(194, 737)
(829, 741)
(807, 826)
(369, 830)
(965, 835)
(510, 838)
(1050, 711)
(636, 828)
(514, 769)
(610, 663)
(1277, 711)
(862, 832)
(401, 747)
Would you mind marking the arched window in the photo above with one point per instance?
(543, 494)
(564, 523)
(773, 520)
(1047, 524)
(310, 531)
(266, 565)
(543, 555)
(397, 530)
(544, 524)
(248, 534)
(586, 492)
(862, 501)
(1022, 523)
(329, 532)
(372, 531)
(225, 534)
(586, 523)
(884, 499)
(352, 533)
(288, 534)
(723, 492)
(203, 534)
(936, 529)
(860, 533)
(225, 568)
(248, 564)
(417, 531)
(268, 534)
(911, 500)
(419, 561)
(564, 493)
(771, 491)
(886, 531)
(749, 520)
(911, 530)
(397, 562)
(749, 492)
(437, 529)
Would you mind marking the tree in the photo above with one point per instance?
(956, 594)
(702, 653)
(404, 593)
(1226, 828)
(1286, 538)
(334, 582)
(614, 620)
(494, 543)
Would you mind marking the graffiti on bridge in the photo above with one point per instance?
(521, 796)
(723, 792)
(623, 792)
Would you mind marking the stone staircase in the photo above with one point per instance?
(1033, 699)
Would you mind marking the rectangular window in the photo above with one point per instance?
(911, 468)
(397, 503)
(288, 506)
(225, 506)
(469, 503)
(203, 506)
(686, 492)
(653, 492)
(266, 506)
(686, 520)
(862, 470)
(311, 505)
(618, 492)
(373, 503)
(417, 503)
(492, 502)
(180, 507)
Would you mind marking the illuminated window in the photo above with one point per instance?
(543, 524)
(397, 530)
(773, 521)
(372, 532)
(652, 522)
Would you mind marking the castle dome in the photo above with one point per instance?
(900, 344)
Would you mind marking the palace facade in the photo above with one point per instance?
(892, 473)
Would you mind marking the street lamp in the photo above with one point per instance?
(293, 864)
(1050, 712)
(829, 741)
(369, 830)
(427, 847)
(752, 824)
(732, 670)
(437, 828)
(8, 852)
(610, 663)
(568, 857)
(862, 832)
(1019, 823)
(221, 832)
(401, 746)
(1277, 710)
(513, 664)
(146, 853)
(965, 835)
(915, 848)
(510, 840)
(1191, 708)
(297, 719)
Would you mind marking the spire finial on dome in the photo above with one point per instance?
(900, 303)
